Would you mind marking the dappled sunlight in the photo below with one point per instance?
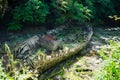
(59, 39)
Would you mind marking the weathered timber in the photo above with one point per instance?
(25, 48)
(50, 43)
(50, 60)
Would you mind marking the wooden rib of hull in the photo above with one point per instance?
(47, 61)
(50, 60)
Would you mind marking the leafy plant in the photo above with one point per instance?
(101, 9)
(34, 11)
(111, 69)
(56, 12)
(82, 13)
(14, 26)
(2, 74)
(68, 10)
(11, 69)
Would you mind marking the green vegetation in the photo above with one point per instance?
(56, 12)
(34, 12)
(111, 68)
(17, 15)
(11, 69)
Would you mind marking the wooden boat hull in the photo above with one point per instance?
(43, 62)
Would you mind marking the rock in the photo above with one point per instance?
(50, 42)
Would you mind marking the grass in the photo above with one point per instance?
(111, 68)
(110, 71)
(11, 69)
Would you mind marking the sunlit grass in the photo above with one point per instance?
(11, 69)
(111, 68)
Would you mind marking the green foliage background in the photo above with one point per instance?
(57, 12)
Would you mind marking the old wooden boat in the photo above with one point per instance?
(43, 51)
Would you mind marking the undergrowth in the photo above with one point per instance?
(111, 67)
(44, 12)
(11, 69)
